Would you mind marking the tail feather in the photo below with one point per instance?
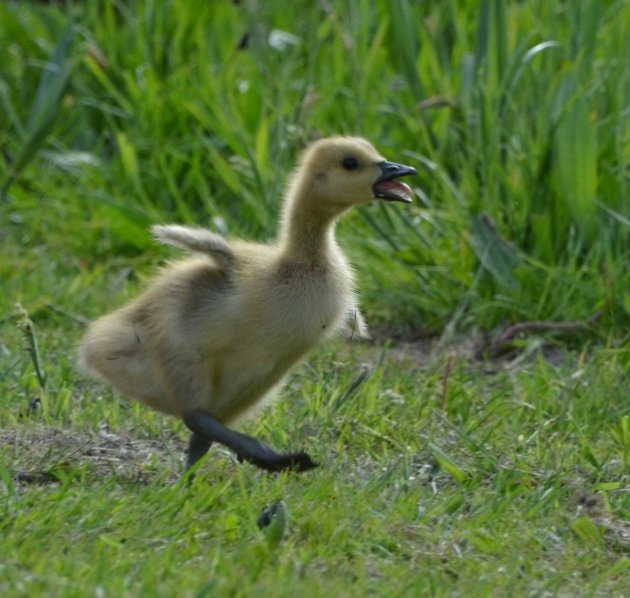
(196, 240)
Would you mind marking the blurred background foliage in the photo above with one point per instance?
(120, 114)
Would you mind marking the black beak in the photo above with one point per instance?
(391, 170)
(394, 191)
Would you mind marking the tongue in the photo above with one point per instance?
(401, 191)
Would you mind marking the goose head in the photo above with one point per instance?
(338, 173)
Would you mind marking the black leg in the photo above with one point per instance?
(197, 448)
(201, 423)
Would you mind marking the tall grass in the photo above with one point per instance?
(516, 114)
(438, 476)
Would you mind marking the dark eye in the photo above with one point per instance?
(350, 163)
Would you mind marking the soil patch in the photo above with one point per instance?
(43, 455)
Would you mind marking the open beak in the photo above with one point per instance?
(387, 187)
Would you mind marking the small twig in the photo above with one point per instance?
(511, 331)
(35, 477)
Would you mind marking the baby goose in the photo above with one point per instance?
(215, 334)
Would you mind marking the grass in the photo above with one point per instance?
(474, 489)
(443, 474)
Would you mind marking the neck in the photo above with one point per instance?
(307, 233)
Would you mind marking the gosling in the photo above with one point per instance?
(214, 335)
